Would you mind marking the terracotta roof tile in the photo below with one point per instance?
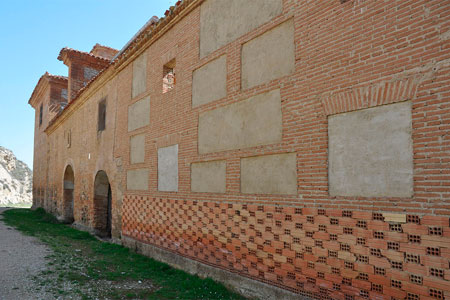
(56, 77)
(68, 50)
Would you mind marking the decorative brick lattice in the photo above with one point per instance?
(308, 259)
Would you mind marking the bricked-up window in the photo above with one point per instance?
(41, 109)
(102, 115)
(169, 76)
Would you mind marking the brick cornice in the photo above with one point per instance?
(67, 54)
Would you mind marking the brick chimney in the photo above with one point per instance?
(83, 67)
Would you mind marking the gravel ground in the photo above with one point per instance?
(21, 257)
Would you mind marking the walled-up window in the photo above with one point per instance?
(41, 109)
(102, 115)
(169, 76)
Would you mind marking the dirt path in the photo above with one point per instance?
(21, 257)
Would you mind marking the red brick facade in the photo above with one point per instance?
(320, 253)
(349, 57)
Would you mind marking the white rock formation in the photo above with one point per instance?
(15, 180)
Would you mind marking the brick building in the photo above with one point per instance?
(284, 147)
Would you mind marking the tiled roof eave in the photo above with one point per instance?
(67, 51)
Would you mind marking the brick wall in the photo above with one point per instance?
(347, 58)
(320, 253)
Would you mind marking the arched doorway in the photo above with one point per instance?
(102, 205)
(69, 184)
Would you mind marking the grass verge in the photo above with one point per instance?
(82, 267)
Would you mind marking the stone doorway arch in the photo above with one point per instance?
(68, 198)
(102, 205)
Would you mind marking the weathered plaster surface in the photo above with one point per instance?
(139, 84)
(168, 169)
(209, 83)
(269, 56)
(370, 152)
(252, 122)
(269, 174)
(139, 114)
(137, 179)
(137, 149)
(209, 176)
(223, 21)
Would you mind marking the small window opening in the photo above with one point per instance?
(102, 115)
(169, 76)
(40, 114)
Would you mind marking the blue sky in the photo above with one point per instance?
(33, 32)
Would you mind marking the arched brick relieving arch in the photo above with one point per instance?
(371, 95)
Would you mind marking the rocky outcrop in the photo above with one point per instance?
(15, 180)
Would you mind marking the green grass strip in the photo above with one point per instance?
(85, 262)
